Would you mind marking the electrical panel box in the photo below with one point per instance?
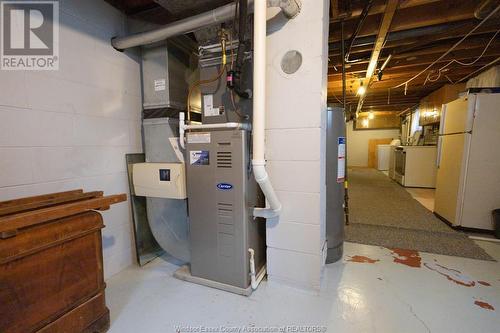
(159, 180)
(222, 194)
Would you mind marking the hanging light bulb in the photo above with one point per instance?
(371, 115)
(361, 89)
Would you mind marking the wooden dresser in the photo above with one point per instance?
(51, 267)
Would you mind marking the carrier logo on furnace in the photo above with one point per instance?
(224, 186)
(29, 35)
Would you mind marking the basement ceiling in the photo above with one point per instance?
(165, 11)
(419, 33)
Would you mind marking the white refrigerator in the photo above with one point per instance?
(468, 161)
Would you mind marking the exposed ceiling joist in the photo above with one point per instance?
(390, 9)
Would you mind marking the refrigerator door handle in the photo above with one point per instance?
(439, 147)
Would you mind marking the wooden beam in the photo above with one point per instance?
(390, 9)
(334, 7)
(444, 11)
(379, 7)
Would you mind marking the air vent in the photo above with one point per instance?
(224, 210)
(224, 159)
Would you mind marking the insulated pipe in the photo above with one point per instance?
(259, 113)
(290, 8)
(180, 27)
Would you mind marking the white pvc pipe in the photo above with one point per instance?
(215, 126)
(255, 280)
(183, 127)
(259, 113)
(290, 8)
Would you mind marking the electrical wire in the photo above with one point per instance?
(428, 79)
(449, 50)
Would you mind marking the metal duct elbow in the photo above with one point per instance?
(290, 8)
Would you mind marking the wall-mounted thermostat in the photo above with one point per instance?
(159, 180)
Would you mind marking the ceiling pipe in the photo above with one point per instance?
(176, 28)
(362, 18)
(290, 9)
(403, 34)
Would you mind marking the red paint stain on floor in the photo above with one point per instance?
(484, 305)
(407, 257)
(362, 259)
(484, 283)
(451, 274)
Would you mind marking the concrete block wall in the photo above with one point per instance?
(69, 129)
(295, 145)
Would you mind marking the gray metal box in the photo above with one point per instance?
(216, 100)
(165, 74)
(222, 193)
(167, 217)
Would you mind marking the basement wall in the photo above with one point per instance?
(70, 129)
(295, 144)
(357, 143)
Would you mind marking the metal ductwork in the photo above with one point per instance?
(290, 9)
(180, 27)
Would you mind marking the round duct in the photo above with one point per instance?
(169, 225)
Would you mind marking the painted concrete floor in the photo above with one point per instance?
(365, 292)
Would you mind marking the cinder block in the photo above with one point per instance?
(299, 207)
(294, 268)
(295, 176)
(294, 236)
(16, 166)
(293, 144)
(53, 163)
(13, 89)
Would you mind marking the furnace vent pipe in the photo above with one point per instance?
(290, 8)
(259, 113)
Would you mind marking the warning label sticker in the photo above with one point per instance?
(341, 160)
(160, 85)
(198, 137)
(199, 157)
(209, 110)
